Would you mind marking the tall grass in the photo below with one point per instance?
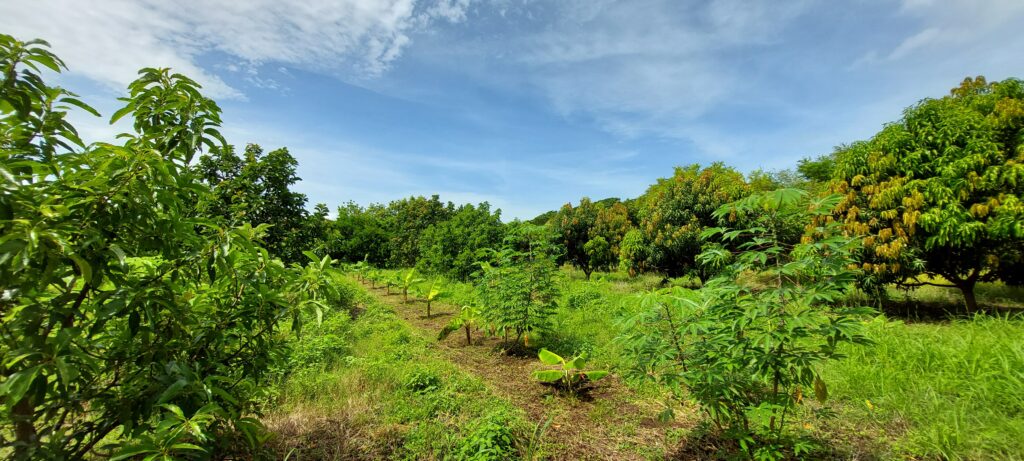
(941, 390)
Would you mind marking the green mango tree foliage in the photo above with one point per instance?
(405, 222)
(572, 227)
(130, 325)
(449, 247)
(359, 234)
(938, 193)
(256, 188)
(675, 211)
(591, 233)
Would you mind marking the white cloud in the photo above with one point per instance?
(914, 42)
(648, 67)
(109, 40)
(948, 27)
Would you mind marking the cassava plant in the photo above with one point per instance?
(569, 374)
(519, 290)
(749, 352)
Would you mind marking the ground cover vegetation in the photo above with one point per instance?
(169, 296)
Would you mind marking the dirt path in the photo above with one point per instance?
(608, 422)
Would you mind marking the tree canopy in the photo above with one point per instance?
(938, 193)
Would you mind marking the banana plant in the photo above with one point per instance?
(392, 281)
(431, 294)
(408, 282)
(469, 317)
(360, 269)
(570, 374)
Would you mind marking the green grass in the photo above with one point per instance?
(940, 390)
(371, 387)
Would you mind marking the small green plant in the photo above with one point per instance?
(469, 317)
(423, 381)
(491, 439)
(518, 291)
(408, 282)
(570, 375)
(431, 293)
(533, 448)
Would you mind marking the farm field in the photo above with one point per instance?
(922, 382)
(750, 281)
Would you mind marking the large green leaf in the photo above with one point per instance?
(550, 358)
(548, 376)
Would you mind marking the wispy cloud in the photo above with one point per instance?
(109, 40)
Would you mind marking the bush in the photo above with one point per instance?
(491, 438)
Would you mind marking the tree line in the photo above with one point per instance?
(935, 197)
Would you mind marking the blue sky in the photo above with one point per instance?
(530, 104)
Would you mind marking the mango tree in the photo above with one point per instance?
(675, 211)
(130, 323)
(938, 193)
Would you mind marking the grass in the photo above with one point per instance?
(384, 394)
(950, 390)
(947, 389)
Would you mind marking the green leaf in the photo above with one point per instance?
(121, 113)
(187, 446)
(18, 383)
(81, 105)
(172, 391)
(549, 358)
(83, 267)
(595, 375)
(548, 376)
(135, 450)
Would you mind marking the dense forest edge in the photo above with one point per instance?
(169, 296)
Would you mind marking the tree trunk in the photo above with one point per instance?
(587, 272)
(24, 431)
(428, 309)
(969, 299)
(468, 339)
(966, 287)
(405, 295)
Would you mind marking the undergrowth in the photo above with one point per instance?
(370, 388)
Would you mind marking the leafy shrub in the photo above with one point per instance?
(582, 296)
(518, 292)
(423, 381)
(748, 354)
(96, 350)
(491, 438)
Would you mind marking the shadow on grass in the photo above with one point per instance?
(705, 442)
(939, 311)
